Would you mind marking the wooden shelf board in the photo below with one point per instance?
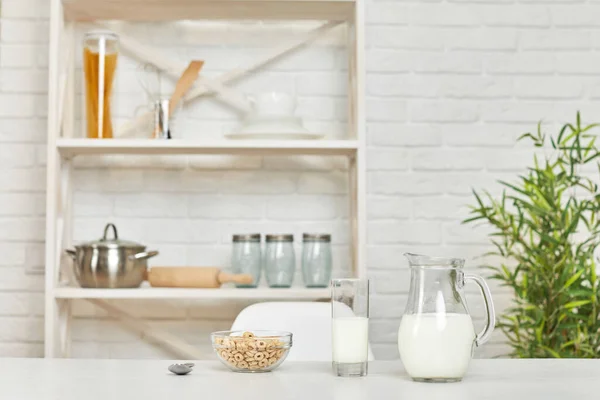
(73, 147)
(161, 10)
(175, 293)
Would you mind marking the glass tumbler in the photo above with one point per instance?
(316, 260)
(246, 257)
(280, 260)
(350, 326)
(100, 52)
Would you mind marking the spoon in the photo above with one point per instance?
(181, 369)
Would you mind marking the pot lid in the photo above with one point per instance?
(113, 242)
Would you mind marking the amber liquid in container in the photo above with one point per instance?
(100, 54)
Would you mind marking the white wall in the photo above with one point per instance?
(450, 85)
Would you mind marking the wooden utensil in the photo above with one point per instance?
(184, 83)
(194, 277)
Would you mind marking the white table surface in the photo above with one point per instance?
(69, 379)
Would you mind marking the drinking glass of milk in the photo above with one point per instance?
(350, 326)
(436, 338)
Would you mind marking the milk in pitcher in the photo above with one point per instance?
(436, 346)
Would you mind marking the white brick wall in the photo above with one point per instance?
(450, 85)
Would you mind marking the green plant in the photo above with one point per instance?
(545, 230)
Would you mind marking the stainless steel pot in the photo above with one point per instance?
(110, 263)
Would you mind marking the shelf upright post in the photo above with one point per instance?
(57, 311)
(51, 309)
(357, 129)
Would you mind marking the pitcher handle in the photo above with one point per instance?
(485, 334)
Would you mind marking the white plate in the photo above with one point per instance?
(275, 136)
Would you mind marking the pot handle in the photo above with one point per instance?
(114, 229)
(71, 254)
(143, 255)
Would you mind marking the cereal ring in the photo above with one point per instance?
(252, 345)
(238, 357)
(218, 340)
(271, 353)
(224, 354)
(263, 363)
(251, 353)
(251, 363)
(279, 353)
(232, 361)
(261, 344)
(248, 334)
(242, 346)
(259, 356)
(242, 364)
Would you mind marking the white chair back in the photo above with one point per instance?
(310, 322)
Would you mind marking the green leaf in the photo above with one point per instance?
(561, 133)
(573, 279)
(475, 218)
(575, 304)
(553, 353)
(515, 188)
(526, 135)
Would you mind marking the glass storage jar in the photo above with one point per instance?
(316, 259)
(100, 53)
(280, 260)
(246, 257)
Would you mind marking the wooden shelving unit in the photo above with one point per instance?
(64, 144)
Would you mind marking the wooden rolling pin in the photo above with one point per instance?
(194, 277)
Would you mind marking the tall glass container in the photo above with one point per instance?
(246, 257)
(280, 260)
(350, 326)
(100, 52)
(316, 259)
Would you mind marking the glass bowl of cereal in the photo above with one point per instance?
(251, 351)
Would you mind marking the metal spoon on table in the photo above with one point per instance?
(181, 369)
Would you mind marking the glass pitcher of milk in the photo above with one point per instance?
(436, 336)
